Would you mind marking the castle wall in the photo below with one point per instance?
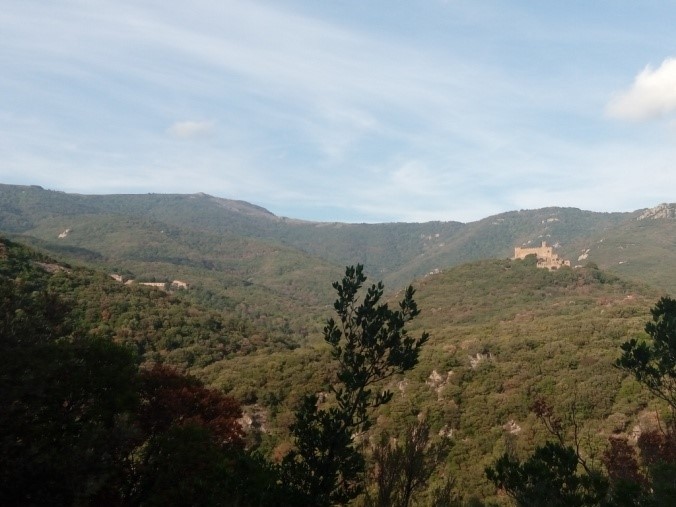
(547, 259)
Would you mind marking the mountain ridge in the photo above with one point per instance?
(396, 252)
(503, 332)
(246, 207)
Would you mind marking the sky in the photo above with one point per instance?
(350, 111)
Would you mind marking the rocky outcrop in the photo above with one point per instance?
(661, 211)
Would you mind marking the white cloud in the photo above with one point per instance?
(189, 129)
(652, 95)
(413, 177)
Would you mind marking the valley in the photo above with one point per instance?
(503, 333)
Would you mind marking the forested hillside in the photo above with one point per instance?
(82, 424)
(503, 336)
(248, 322)
(225, 242)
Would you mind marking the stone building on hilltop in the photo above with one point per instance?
(545, 254)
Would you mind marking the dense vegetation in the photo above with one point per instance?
(561, 473)
(82, 424)
(224, 243)
(155, 325)
(503, 337)
(85, 425)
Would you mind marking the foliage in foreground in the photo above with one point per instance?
(558, 474)
(86, 426)
(402, 470)
(370, 344)
(653, 363)
(83, 425)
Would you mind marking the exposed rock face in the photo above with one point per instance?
(435, 379)
(438, 381)
(647, 421)
(475, 361)
(511, 427)
(661, 211)
(254, 418)
(446, 432)
(50, 267)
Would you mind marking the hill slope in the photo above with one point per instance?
(278, 287)
(503, 333)
(196, 229)
(156, 325)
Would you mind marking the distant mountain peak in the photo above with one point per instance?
(243, 207)
(661, 211)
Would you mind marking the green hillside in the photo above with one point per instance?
(277, 287)
(503, 334)
(156, 325)
(95, 411)
(259, 288)
(151, 234)
(640, 249)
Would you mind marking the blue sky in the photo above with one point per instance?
(355, 111)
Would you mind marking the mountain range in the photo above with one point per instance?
(503, 333)
(162, 236)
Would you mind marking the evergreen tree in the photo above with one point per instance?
(370, 344)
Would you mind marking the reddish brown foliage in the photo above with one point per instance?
(169, 398)
(658, 447)
(621, 462)
(545, 413)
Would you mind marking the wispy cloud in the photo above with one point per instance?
(652, 95)
(323, 112)
(190, 129)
